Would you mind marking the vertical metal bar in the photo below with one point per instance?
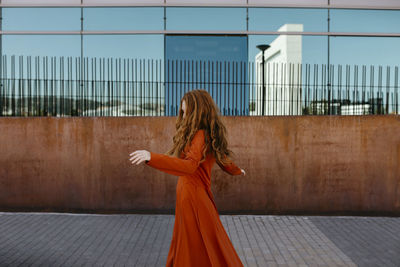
(68, 107)
(181, 84)
(219, 86)
(371, 88)
(201, 75)
(339, 88)
(291, 87)
(136, 87)
(307, 102)
(348, 99)
(209, 87)
(228, 82)
(62, 91)
(242, 90)
(363, 85)
(300, 88)
(141, 73)
(20, 99)
(29, 84)
(149, 87)
(380, 93)
(316, 74)
(94, 86)
(275, 88)
(356, 92)
(160, 88)
(185, 78)
(2, 90)
(155, 87)
(128, 90)
(251, 79)
(46, 80)
(150, 82)
(396, 88)
(108, 88)
(235, 88)
(321, 90)
(330, 104)
(86, 86)
(387, 88)
(124, 110)
(113, 85)
(225, 87)
(51, 89)
(101, 88)
(175, 91)
(285, 76)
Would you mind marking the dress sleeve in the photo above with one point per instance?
(177, 166)
(231, 168)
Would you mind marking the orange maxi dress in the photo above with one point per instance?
(199, 238)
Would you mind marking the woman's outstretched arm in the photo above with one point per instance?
(177, 166)
(231, 168)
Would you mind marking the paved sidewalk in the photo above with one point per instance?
(64, 239)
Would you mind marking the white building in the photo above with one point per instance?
(282, 74)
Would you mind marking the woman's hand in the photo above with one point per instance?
(139, 156)
(243, 172)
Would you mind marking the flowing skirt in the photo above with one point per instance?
(199, 238)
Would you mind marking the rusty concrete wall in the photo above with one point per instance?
(295, 165)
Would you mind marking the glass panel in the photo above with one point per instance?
(367, 73)
(347, 20)
(213, 19)
(39, 75)
(365, 50)
(292, 64)
(124, 46)
(293, 48)
(41, 19)
(128, 71)
(42, 45)
(272, 19)
(217, 64)
(137, 18)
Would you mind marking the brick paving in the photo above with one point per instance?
(64, 239)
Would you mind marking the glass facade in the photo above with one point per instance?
(162, 51)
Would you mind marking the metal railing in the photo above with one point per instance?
(66, 86)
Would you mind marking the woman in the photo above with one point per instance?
(199, 238)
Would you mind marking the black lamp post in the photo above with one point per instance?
(263, 47)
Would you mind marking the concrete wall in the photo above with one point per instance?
(307, 165)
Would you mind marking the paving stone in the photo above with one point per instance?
(63, 239)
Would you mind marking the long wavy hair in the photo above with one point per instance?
(201, 113)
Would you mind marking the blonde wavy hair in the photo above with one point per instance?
(201, 113)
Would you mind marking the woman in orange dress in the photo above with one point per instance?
(199, 238)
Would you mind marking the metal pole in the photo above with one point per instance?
(263, 84)
(263, 48)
